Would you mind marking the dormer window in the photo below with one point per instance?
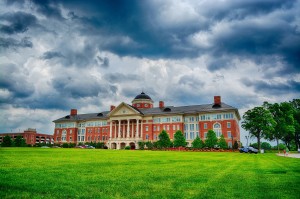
(146, 105)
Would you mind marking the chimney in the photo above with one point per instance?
(73, 112)
(161, 104)
(112, 107)
(217, 102)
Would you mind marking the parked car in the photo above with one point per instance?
(249, 149)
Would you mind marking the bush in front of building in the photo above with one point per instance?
(149, 145)
(127, 148)
(164, 140)
(19, 142)
(211, 139)
(65, 145)
(197, 143)
(222, 142)
(141, 145)
(235, 145)
(179, 139)
(7, 141)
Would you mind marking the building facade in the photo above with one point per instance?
(31, 137)
(126, 125)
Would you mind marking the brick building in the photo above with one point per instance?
(126, 125)
(31, 137)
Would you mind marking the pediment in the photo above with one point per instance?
(123, 110)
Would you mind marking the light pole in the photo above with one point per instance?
(247, 137)
(232, 143)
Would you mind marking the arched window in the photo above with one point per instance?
(64, 135)
(217, 129)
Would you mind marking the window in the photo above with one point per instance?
(147, 136)
(229, 134)
(138, 105)
(168, 127)
(205, 135)
(192, 135)
(71, 131)
(174, 127)
(64, 135)
(82, 138)
(158, 128)
(205, 125)
(217, 129)
(197, 127)
(186, 135)
(197, 134)
(147, 128)
(192, 119)
(191, 127)
(230, 144)
(155, 137)
(186, 127)
(70, 139)
(178, 128)
(228, 124)
(146, 105)
(154, 128)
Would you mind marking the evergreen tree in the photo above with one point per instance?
(296, 114)
(222, 142)
(164, 140)
(235, 145)
(211, 139)
(197, 143)
(7, 141)
(19, 141)
(179, 139)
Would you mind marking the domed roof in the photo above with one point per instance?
(143, 96)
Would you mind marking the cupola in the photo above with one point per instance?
(142, 101)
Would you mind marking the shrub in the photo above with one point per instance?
(197, 143)
(149, 145)
(266, 146)
(141, 145)
(127, 148)
(65, 145)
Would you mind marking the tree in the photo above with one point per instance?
(7, 141)
(164, 140)
(222, 142)
(259, 122)
(235, 145)
(149, 145)
(197, 143)
(179, 139)
(266, 146)
(296, 114)
(211, 139)
(19, 141)
(283, 115)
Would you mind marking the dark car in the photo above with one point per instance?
(248, 150)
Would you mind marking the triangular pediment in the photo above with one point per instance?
(124, 110)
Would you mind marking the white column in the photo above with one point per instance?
(142, 129)
(128, 123)
(123, 131)
(110, 130)
(137, 129)
(119, 129)
(115, 130)
(132, 130)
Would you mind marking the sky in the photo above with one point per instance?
(88, 55)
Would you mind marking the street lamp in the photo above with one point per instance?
(232, 143)
(247, 137)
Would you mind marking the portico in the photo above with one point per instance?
(126, 127)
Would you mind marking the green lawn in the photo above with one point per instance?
(91, 173)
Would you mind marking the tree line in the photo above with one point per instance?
(275, 122)
(179, 140)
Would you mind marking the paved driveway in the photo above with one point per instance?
(291, 155)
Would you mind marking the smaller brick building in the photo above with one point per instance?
(31, 137)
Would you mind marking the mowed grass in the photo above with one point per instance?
(84, 173)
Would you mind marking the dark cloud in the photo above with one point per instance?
(17, 22)
(49, 8)
(15, 81)
(13, 43)
(119, 77)
(52, 54)
(103, 61)
(272, 87)
(81, 86)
